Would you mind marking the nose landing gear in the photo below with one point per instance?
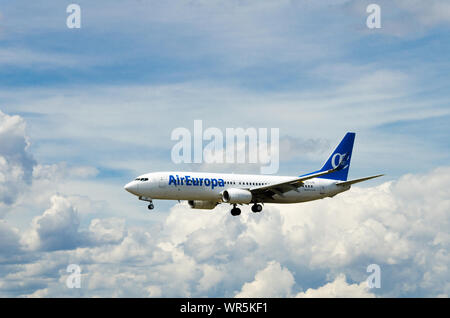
(149, 200)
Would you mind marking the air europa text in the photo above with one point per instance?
(188, 181)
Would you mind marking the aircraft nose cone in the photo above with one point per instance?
(131, 187)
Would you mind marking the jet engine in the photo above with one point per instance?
(236, 196)
(199, 204)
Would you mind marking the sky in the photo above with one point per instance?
(84, 111)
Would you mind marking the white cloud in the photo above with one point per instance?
(57, 228)
(154, 291)
(358, 99)
(56, 172)
(107, 231)
(16, 163)
(9, 241)
(400, 225)
(272, 281)
(28, 58)
(212, 276)
(405, 18)
(430, 13)
(339, 288)
(300, 148)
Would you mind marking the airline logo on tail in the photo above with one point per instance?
(342, 160)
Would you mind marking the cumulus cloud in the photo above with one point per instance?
(272, 281)
(338, 288)
(401, 225)
(107, 231)
(9, 241)
(57, 227)
(16, 163)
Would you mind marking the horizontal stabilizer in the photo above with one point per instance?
(350, 182)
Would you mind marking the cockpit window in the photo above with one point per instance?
(141, 179)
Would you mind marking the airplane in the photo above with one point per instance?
(207, 190)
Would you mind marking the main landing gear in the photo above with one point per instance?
(235, 211)
(256, 208)
(151, 206)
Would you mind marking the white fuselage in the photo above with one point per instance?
(178, 185)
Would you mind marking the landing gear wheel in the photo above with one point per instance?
(235, 211)
(256, 208)
(151, 206)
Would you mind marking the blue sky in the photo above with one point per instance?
(291, 49)
(97, 105)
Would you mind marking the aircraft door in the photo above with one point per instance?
(163, 181)
(322, 189)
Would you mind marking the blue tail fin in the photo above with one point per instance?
(340, 157)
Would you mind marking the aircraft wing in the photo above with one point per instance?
(350, 182)
(282, 187)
